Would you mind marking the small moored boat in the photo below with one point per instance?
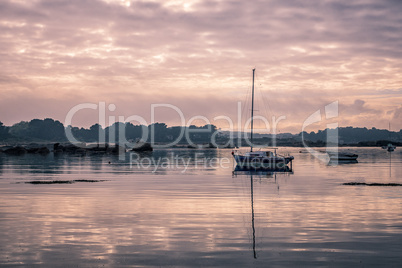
(342, 156)
(389, 147)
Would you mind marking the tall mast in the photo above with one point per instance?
(252, 112)
(389, 130)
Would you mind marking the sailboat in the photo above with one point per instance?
(260, 159)
(390, 147)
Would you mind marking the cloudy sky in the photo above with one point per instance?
(198, 55)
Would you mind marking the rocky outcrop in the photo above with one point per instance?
(18, 150)
(41, 150)
(73, 149)
(142, 147)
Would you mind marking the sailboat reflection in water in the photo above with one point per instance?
(259, 174)
(260, 159)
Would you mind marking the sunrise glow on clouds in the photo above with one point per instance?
(198, 55)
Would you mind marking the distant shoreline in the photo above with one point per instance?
(50, 145)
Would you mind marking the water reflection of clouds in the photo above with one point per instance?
(198, 219)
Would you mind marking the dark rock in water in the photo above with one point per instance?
(18, 150)
(49, 182)
(31, 150)
(117, 149)
(143, 147)
(33, 145)
(211, 146)
(229, 146)
(88, 180)
(62, 182)
(41, 150)
(83, 150)
(56, 146)
(372, 184)
(69, 148)
(98, 149)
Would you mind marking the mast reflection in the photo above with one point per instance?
(268, 173)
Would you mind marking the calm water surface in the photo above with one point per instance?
(196, 212)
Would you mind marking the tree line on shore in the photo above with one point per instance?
(49, 130)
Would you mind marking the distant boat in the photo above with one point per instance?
(342, 156)
(260, 159)
(389, 147)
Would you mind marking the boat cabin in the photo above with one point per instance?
(260, 154)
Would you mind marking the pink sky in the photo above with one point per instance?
(198, 55)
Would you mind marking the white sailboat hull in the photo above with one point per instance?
(275, 162)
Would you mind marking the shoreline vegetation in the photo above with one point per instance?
(110, 149)
(44, 136)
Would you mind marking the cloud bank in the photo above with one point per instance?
(198, 55)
